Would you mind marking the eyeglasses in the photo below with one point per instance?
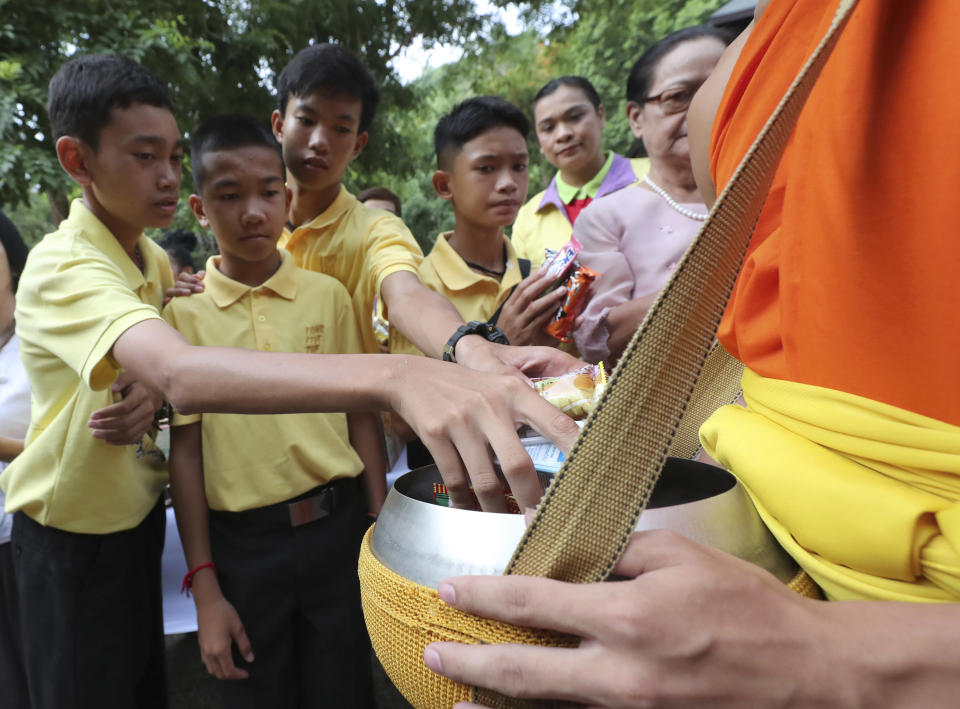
(673, 100)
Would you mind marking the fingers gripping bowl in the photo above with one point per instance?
(416, 544)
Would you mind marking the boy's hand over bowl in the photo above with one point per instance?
(467, 418)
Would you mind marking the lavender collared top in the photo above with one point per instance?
(635, 240)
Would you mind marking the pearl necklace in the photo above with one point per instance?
(672, 202)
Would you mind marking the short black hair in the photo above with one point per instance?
(380, 193)
(641, 75)
(179, 243)
(576, 82)
(86, 89)
(473, 117)
(15, 247)
(332, 69)
(225, 132)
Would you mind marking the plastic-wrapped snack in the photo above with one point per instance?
(575, 393)
(558, 263)
(381, 328)
(578, 285)
(442, 497)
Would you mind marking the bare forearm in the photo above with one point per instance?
(899, 654)
(425, 317)
(215, 379)
(367, 439)
(10, 448)
(190, 503)
(233, 381)
(623, 320)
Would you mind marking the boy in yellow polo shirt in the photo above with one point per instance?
(285, 512)
(88, 523)
(326, 103)
(482, 159)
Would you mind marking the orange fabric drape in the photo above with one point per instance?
(852, 280)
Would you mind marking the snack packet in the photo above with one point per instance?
(575, 393)
(442, 497)
(381, 328)
(578, 285)
(558, 263)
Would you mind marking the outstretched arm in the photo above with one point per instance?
(466, 418)
(424, 316)
(428, 320)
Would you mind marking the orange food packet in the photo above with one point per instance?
(578, 285)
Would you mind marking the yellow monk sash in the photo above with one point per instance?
(864, 495)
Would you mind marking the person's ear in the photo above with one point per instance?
(602, 112)
(276, 124)
(73, 154)
(196, 206)
(359, 144)
(288, 197)
(634, 111)
(441, 184)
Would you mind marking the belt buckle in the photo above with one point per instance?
(311, 509)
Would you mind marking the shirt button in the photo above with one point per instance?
(262, 318)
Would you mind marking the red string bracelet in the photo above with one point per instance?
(188, 579)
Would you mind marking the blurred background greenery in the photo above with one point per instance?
(223, 55)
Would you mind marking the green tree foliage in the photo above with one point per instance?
(217, 55)
(224, 55)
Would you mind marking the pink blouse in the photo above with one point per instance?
(634, 239)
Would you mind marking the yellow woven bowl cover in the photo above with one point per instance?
(404, 617)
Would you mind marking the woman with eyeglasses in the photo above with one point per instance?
(635, 236)
(569, 119)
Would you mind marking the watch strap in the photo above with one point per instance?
(489, 332)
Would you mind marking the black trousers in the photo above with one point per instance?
(13, 678)
(91, 615)
(296, 591)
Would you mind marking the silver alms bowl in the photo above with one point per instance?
(427, 543)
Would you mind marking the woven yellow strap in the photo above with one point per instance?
(590, 511)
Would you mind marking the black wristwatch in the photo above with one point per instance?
(489, 332)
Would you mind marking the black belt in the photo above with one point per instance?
(308, 507)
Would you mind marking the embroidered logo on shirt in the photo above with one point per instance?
(314, 338)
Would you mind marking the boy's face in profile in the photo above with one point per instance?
(319, 135)
(134, 174)
(487, 180)
(244, 201)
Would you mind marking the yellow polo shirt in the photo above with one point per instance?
(359, 246)
(78, 293)
(475, 296)
(253, 461)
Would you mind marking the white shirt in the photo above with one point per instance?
(14, 411)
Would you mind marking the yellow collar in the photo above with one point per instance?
(456, 275)
(226, 291)
(103, 239)
(343, 203)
